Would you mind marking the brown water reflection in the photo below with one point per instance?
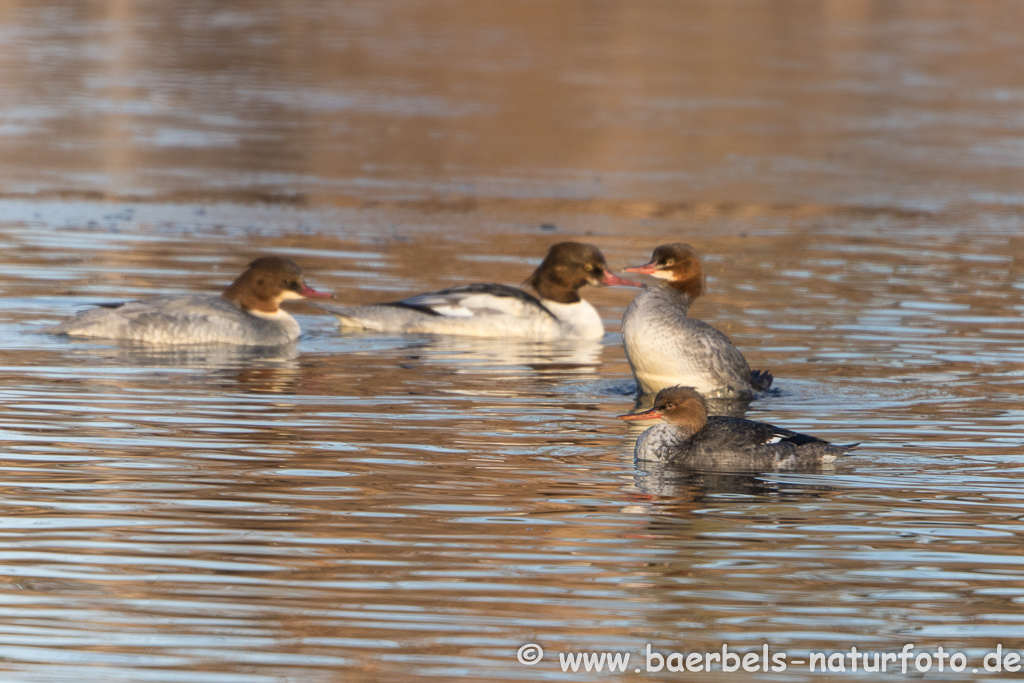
(416, 507)
(913, 104)
(380, 508)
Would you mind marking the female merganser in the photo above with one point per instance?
(692, 439)
(665, 347)
(246, 313)
(500, 310)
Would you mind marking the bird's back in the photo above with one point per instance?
(193, 319)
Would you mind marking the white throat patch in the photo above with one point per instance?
(279, 314)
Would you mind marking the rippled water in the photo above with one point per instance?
(364, 507)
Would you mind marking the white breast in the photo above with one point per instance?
(581, 319)
(666, 348)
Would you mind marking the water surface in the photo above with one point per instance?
(362, 507)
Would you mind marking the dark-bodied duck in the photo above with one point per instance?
(489, 310)
(247, 313)
(665, 347)
(690, 438)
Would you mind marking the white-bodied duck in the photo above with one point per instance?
(492, 310)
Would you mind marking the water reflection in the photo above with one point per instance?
(416, 509)
(253, 368)
(475, 355)
(680, 488)
(707, 110)
(390, 474)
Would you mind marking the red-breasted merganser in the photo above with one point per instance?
(488, 310)
(665, 347)
(247, 313)
(690, 438)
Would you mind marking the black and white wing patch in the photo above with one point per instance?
(779, 435)
(467, 301)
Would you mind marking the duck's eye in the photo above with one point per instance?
(669, 262)
(589, 267)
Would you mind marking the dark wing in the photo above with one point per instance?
(736, 432)
(796, 438)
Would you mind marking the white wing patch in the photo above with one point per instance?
(775, 439)
(453, 311)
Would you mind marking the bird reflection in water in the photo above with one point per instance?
(260, 369)
(663, 488)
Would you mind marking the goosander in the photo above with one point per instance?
(246, 313)
(666, 347)
(488, 310)
(689, 437)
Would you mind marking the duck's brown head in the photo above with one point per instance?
(681, 407)
(679, 265)
(569, 266)
(267, 282)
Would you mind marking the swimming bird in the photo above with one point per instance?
(247, 313)
(494, 310)
(665, 347)
(691, 438)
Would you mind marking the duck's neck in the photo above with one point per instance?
(688, 287)
(682, 298)
(555, 286)
(660, 442)
(249, 302)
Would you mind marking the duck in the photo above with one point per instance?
(691, 438)
(666, 347)
(501, 311)
(247, 313)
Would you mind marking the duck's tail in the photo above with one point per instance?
(761, 379)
